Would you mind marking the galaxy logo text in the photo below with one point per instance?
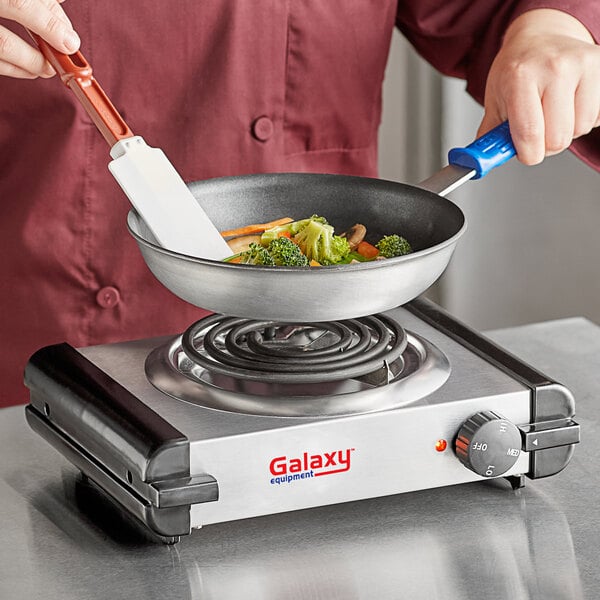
(286, 469)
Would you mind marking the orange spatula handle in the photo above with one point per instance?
(76, 73)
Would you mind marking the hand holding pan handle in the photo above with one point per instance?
(491, 150)
(76, 73)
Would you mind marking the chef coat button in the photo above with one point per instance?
(108, 297)
(262, 129)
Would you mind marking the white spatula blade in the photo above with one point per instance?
(163, 201)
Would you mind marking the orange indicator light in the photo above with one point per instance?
(441, 445)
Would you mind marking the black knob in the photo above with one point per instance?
(488, 444)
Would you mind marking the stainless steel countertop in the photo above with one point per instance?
(479, 541)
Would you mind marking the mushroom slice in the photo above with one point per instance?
(355, 235)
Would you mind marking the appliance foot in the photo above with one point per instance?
(516, 481)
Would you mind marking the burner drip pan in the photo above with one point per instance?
(308, 370)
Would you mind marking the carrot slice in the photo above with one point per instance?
(256, 227)
(367, 250)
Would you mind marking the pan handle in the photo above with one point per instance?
(487, 152)
(76, 73)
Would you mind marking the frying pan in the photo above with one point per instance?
(431, 223)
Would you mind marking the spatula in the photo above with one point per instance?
(153, 186)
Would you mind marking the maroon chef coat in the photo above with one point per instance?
(223, 87)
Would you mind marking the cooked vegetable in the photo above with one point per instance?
(286, 253)
(242, 243)
(355, 235)
(289, 229)
(318, 242)
(310, 242)
(367, 250)
(255, 228)
(390, 246)
(354, 257)
(281, 252)
(255, 255)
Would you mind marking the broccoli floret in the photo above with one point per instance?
(340, 248)
(295, 244)
(290, 229)
(280, 252)
(286, 253)
(317, 242)
(393, 245)
(257, 255)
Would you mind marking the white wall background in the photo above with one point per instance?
(532, 248)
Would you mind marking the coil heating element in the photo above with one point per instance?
(275, 352)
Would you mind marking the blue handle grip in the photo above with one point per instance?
(487, 152)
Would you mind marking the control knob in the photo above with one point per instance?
(488, 444)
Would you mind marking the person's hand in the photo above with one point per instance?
(19, 58)
(546, 81)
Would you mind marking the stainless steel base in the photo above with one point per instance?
(177, 465)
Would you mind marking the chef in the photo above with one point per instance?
(231, 87)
